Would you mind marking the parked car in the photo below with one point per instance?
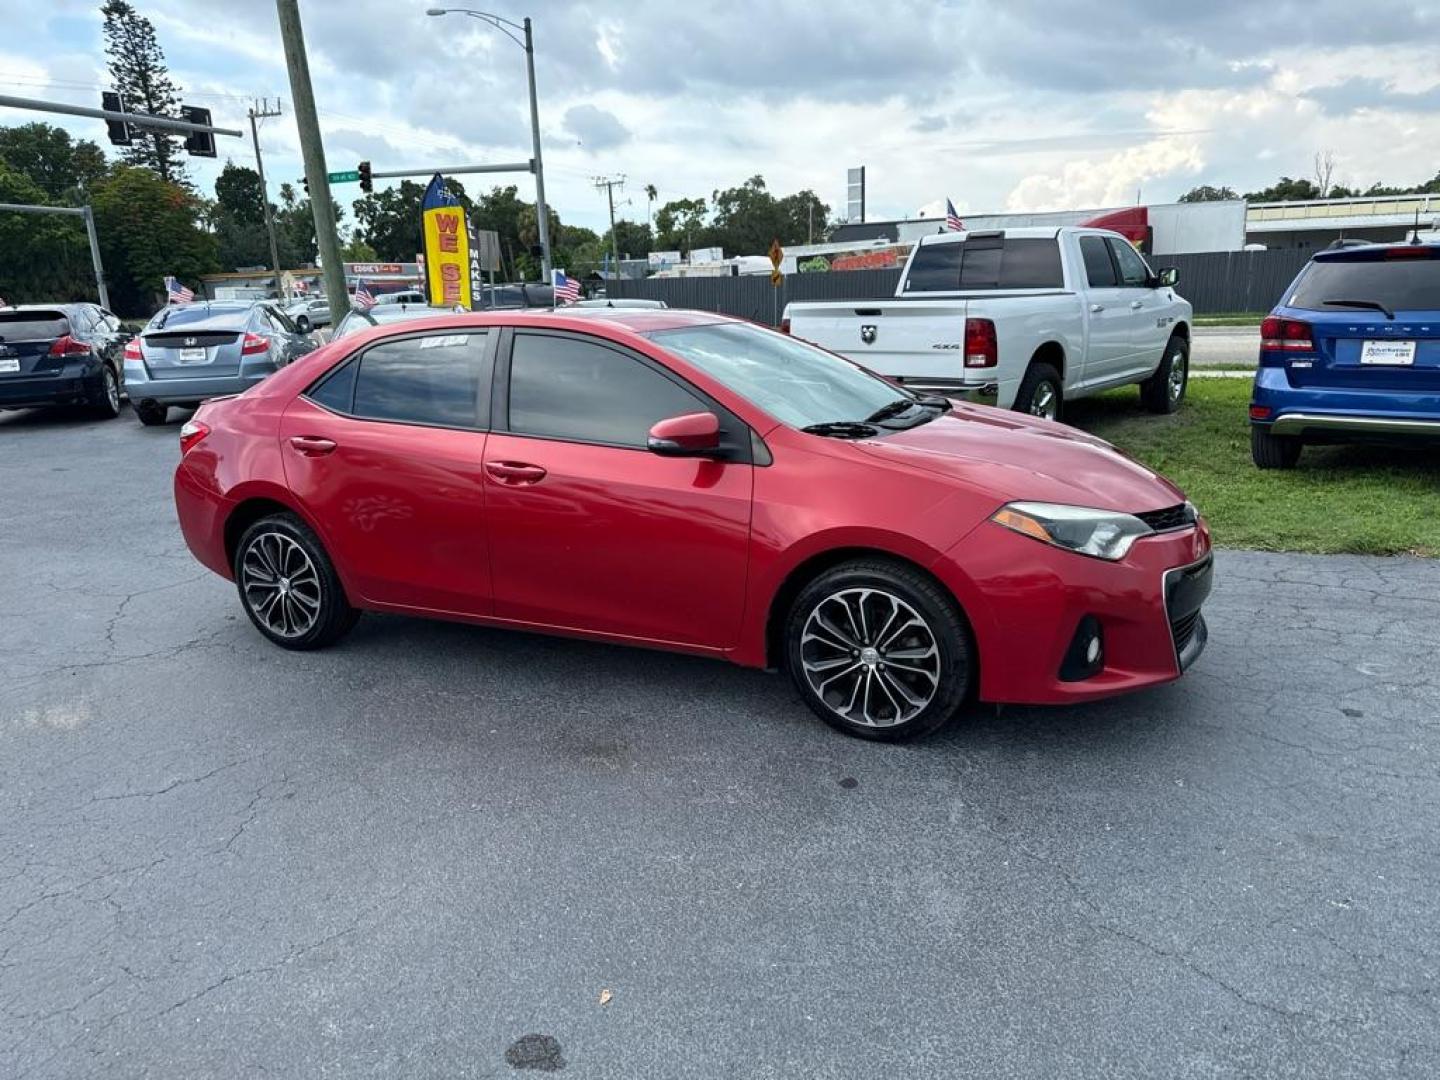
(404, 296)
(357, 320)
(189, 352)
(1024, 319)
(309, 314)
(521, 295)
(1351, 353)
(61, 354)
(619, 302)
(693, 482)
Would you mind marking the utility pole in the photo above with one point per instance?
(542, 212)
(261, 113)
(292, 35)
(610, 184)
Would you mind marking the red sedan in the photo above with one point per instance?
(692, 482)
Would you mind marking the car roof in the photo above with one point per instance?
(634, 320)
(1367, 252)
(67, 306)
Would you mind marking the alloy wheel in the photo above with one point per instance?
(112, 390)
(1045, 402)
(1176, 385)
(280, 584)
(870, 657)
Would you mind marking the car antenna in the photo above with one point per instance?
(1415, 232)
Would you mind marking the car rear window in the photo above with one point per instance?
(32, 325)
(987, 262)
(1411, 284)
(216, 318)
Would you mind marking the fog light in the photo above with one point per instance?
(1086, 655)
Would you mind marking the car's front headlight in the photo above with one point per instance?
(1103, 534)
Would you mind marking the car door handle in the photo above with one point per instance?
(1136, 305)
(312, 445)
(1095, 309)
(515, 472)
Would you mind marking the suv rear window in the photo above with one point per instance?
(32, 325)
(1411, 284)
(984, 262)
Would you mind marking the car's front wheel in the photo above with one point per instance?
(1164, 391)
(880, 650)
(288, 585)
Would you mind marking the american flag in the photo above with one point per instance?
(364, 298)
(952, 219)
(175, 293)
(567, 289)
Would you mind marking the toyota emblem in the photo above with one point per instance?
(867, 333)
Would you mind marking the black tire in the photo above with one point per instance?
(316, 595)
(1273, 451)
(949, 678)
(150, 413)
(1159, 394)
(105, 403)
(1032, 397)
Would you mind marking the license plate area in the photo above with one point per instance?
(192, 355)
(1387, 353)
(9, 365)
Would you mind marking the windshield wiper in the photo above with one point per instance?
(891, 408)
(842, 429)
(1372, 304)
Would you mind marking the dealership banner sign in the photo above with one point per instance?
(447, 247)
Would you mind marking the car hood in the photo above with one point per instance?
(1015, 457)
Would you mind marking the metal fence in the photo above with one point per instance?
(1212, 281)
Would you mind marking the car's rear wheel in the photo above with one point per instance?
(106, 401)
(1040, 392)
(879, 650)
(1164, 392)
(150, 413)
(288, 585)
(1270, 451)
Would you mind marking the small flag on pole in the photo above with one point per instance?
(567, 289)
(364, 298)
(952, 219)
(175, 293)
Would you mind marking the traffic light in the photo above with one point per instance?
(120, 134)
(198, 143)
(306, 181)
(367, 185)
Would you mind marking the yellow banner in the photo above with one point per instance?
(447, 256)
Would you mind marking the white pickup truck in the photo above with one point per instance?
(1024, 319)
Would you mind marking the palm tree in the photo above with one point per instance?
(650, 196)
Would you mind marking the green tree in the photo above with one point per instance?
(389, 220)
(149, 228)
(1208, 193)
(295, 228)
(46, 256)
(634, 240)
(1286, 189)
(238, 218)
(679, 223)
(138, 73)
(48, 156)
(358, 250)
(803, 218)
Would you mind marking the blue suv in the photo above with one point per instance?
(1351, 353)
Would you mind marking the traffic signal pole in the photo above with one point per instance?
(292, 35)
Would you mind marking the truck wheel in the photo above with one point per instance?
(1164, 391)
(1040, 392)
(1273, 451)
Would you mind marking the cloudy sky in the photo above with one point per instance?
(1027, 104)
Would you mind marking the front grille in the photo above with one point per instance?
(1183, 629)
(1172, 517)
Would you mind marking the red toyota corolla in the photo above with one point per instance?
(692, 482)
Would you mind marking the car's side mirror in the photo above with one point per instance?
(691, 435)
(1167, 278)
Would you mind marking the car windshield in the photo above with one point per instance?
(792, 381)
(1410, 284)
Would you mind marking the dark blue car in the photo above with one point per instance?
(1351, 353)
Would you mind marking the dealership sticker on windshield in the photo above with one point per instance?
(443, 341)
(1398, 353)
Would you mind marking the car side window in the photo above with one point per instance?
(1099, 270)
(1133, 271)
(427, 379)
(583, 391)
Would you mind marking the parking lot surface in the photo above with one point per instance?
(1225, 346)
(434, 850)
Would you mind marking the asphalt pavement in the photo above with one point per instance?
(1225, 346)
(442, 851)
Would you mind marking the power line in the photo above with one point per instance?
(610, 183)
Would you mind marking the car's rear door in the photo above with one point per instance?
(591, 531)
(1358, 347)
(386, 455)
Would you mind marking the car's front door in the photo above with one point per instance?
(591, 531)
(1107, 313)
(386, 455)
(1145, 305)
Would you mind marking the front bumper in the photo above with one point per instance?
(1025, 600)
